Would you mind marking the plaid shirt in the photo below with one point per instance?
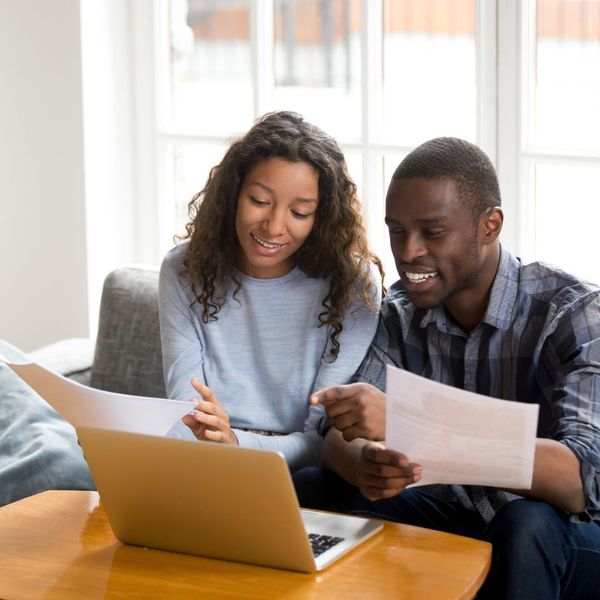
(539, 341)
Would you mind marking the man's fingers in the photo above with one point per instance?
(377, 453)
(373, 493)
(378, 488)
(332, 394)
(336, 393)
(386, 476)
(344, 422)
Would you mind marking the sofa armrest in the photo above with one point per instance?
(70, 357)
(128, 356)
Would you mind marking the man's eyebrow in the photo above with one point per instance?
(434, 219)
(271, 191)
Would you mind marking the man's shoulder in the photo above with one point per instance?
(549, 284)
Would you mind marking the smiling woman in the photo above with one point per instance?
(272, 294)
(275, 214)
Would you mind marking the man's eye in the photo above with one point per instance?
(434, 232)
(395, 231)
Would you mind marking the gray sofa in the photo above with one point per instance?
(38, 449)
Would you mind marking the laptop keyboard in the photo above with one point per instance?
(320, 543)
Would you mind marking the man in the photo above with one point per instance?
(469, 314)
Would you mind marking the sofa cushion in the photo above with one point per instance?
(38, 448)
(128, 356)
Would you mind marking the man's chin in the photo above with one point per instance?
(424, 301)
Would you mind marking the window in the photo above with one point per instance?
(520, 79)
(560, 136)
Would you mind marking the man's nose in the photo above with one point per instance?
(410, 248)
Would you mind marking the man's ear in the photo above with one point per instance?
(491, 225)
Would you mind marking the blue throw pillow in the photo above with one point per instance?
(38, 448)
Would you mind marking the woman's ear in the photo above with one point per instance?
(491, 224)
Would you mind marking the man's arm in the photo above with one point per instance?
(556, 477)
(376, 471)
(358, 411)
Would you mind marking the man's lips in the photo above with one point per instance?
(414, 277)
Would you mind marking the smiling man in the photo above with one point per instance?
(469, 314)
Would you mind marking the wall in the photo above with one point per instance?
(108, 136)
(43, 250)
(67, 199)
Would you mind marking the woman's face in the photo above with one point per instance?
(275, 214)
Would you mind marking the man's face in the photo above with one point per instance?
(436, 244)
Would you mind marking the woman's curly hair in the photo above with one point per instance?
(336, 248)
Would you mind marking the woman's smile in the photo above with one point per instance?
(275, 214)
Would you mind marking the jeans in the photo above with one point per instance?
(537, 551)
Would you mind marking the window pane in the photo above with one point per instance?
(567, 216)
(191, 165)
(429, 70)
(566, 80)
(209, 66)
(317, 62)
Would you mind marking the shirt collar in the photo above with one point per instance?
(503, 297)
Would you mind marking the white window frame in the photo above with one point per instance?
(502, 109)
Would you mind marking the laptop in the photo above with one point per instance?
(213, 500)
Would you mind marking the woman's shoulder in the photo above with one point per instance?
(172, 267)
(375, 275)
(173, 259)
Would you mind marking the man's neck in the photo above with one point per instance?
(469, 307)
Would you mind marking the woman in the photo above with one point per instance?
(272, 294)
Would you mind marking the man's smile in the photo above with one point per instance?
(419, 277)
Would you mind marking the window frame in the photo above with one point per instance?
(502, 55)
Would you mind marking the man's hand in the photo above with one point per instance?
(357, 410)
(383, 473)
(209, 421)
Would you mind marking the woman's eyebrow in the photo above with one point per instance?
(272, 191)
(263, 186)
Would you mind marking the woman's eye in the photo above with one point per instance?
(257, 201)
(299, 215)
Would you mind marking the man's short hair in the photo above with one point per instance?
(466, 164)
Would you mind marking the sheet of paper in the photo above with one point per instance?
(457, 436)
(82, 405)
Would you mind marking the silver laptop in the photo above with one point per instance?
(213, 500)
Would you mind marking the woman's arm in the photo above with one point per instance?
(180, 334)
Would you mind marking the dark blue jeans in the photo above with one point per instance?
(537, 551)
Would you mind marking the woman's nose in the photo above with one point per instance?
(275, 223)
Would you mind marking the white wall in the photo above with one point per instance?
(43, 273)
(67, 198)
(109, 135)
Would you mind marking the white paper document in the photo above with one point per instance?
(460, 437)
(82, 405)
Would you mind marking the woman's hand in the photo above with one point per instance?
(209, 421)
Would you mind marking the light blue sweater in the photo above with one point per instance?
(262, 357)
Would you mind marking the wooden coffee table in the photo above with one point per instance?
(59, 544)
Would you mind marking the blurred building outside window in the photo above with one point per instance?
(383, 76)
